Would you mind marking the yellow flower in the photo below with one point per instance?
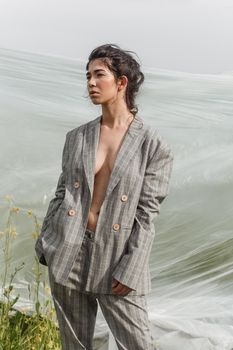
(47, 289)
(30, 212)
(8, 197)
(35, 235)
(13, 232)
(50, 313)
(24, 309)
(15, 209)
(50, 344)
(8, 290)
(38, 339)
(43, 329)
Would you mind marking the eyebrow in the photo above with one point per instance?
(95, 71)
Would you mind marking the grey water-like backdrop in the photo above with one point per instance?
(42, 97)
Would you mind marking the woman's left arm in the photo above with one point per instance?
(154, 190)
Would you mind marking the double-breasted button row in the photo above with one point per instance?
(116, 227)
(76, 184)
(124, 197)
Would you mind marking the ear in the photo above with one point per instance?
(122, 82)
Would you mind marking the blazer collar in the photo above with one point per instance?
(130, 144)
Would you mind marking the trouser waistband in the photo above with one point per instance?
(89, 233)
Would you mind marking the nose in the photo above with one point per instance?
(91, 81)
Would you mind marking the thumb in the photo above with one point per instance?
(114, 283)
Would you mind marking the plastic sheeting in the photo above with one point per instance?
(42, 97)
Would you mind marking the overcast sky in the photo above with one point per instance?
(185, 35)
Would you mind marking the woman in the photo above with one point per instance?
(98, 232)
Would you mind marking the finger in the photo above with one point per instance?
(118, 288)
(124, 291)
(127, 290)
(115, 283)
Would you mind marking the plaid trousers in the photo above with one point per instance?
(126, 316)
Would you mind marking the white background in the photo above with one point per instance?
(184, 35)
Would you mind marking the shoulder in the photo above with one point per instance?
(75, 131)
(80, 129)
(156, 140)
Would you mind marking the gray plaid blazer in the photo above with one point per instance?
(124, 234)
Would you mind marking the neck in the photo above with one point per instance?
(116, 116)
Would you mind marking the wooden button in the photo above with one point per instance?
(71, 212)
(76, 184)
(124, 197)
(116, 227)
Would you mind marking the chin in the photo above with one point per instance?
(96, 102)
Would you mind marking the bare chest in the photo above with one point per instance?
(108, 148)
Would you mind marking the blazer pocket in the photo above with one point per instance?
(42, 260)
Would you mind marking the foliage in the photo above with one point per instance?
(22, 329)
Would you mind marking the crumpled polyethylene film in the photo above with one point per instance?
(191, 303)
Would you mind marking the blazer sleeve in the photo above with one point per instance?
(55, 202)
(155, 188)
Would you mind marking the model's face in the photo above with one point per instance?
(101, 80)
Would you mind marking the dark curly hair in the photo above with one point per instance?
(121, 62)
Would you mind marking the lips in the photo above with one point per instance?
(93, 93)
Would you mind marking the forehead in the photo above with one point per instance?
(97, 64)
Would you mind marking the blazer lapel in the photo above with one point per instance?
(130, 144)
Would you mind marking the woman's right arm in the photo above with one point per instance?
(55, 202)
(60, 189)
